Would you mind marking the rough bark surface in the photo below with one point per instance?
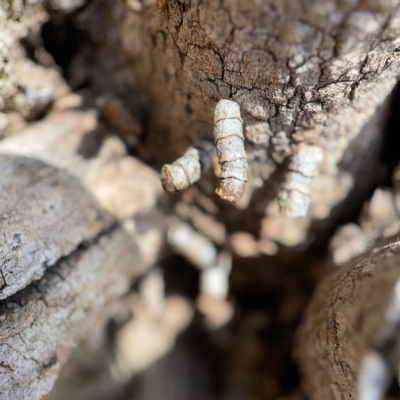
(44, 322)
(315, 72)
(345, 321)
(354, 312)
(30, 79)
(54, 216)
(65, 209)
(67, 198)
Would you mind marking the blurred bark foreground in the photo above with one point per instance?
(73, 215)
(315, 72)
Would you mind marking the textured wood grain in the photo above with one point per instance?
(315, 72)
(346, 320)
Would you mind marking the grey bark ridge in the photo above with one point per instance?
(41, 324)
(46, 214)
(70, 243)
(51, 207)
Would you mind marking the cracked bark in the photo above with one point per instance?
(43, 323)
(315, 72)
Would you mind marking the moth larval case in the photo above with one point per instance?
(229, 141)
(294, 198)
(187, 169)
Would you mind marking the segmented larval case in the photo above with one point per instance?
(229, 141)
(187, 169)
(294, 198)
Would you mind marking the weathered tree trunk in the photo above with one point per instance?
(353, 315)
(314, 72)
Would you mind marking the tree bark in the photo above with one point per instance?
(347, 344)
(352, 314)
(318, 73)
(44, 322)
(70, 246)
(67, 199)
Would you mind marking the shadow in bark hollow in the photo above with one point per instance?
(394, 390)
(181, 277)
(73, 46)
(62, 40)
(391, 145)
